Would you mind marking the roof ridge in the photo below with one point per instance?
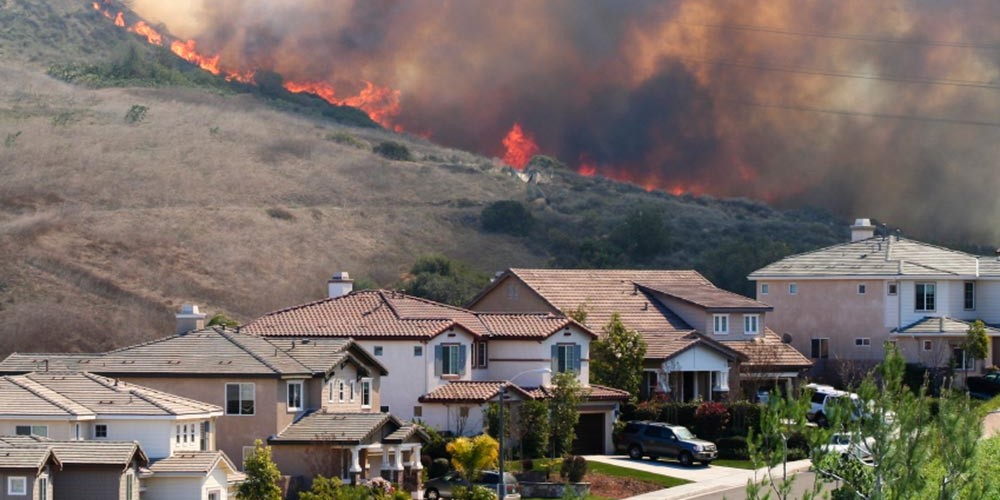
(314, 302)
(253, 355)
(127, 389)
(24, 382)
(147, 393)
(232, 338)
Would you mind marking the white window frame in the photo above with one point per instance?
(935, 294)
(341, 391)
(418, 350)
(720, 324)
(253, 388)
(746, 324)
(418, 411)
(862, 289)
(32, 430)
(214, 495)
(564, 358)
(965, 285)
(765, 288)
(892, 289)
(20, 492)
(288, 395)
(43, 487)
(97, 434)
(129, 485)
(378, 350)
(366, 392)
(793, 289)
(456, 364)
(480, 349)
(248, 452)
(821, 341)
(350, 389)
(862, 342)
(927, 345)
(964, 365)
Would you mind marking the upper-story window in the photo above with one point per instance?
(820, 348)
(32, 430)
(480, 355)
(240, 398)
(793, 288)
(341, 391)
(751, 324)
(294, 395)
(924, 296)
(892, 289)
(970, 296)
(366, 393)
(418, 350)
(862, 289)
(350, 389)
(720, 324)
(449, 359)
(100, 431)
(377, 350)
(512, 291)
(186, 436)
(765, 288)
(17, 485)
(566, 358)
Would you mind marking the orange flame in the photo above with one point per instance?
(588, 168)
(381, 103)
(120, 20)
(189, 52)
(520, 147)
(152, 36)
(96, 5)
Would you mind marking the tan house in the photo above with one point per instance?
(701, 340)
(263, 389)
(26, 472)
(90, 470)
(840, 304)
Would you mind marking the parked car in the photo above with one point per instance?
(849, 445)
(824, 398)
(984, 387)
(445, 486)
(655, 439)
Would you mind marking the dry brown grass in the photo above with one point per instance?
(107, 227)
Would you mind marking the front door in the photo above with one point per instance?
(689, 385)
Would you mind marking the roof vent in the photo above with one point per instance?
(189, 319)
(862, 230)
(339, 284)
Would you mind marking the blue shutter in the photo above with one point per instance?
(577, 351)
(462, 358)
(555, 358)
(437, 360)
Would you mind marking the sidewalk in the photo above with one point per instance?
(705, 479)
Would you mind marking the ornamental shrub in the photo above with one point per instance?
(573, 468)
(710, 420)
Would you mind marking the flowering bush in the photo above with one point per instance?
(710, 420)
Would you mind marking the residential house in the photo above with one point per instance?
(436, 351)
(91, 470)
(841, 304)
(265, 389)
(26, 473)
(69, 406)
(700, 340)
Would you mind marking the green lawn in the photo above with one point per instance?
(739, 464)
(649, 477)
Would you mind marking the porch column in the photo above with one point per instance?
(415, 458)
(355, 469)
(694, 375)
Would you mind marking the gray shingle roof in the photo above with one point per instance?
(20, 457)
(878, 257)
(195, 462)
(942, 326)
(338, 428)
(88, 395)
(707, 296)
(83, 452)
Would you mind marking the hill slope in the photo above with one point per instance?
(119, 204)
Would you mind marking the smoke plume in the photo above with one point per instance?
(887, 109)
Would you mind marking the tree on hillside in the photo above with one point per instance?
(642, 235)
(507, 216)
(728, 265)
(262, 475)
(564, 411)
(439, 278)
(616, 358)
(977, 344)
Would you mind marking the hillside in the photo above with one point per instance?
(119, 204)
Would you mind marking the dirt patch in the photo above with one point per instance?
(618, 487)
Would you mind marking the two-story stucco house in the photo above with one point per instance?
(80, 406)
(276, 390)
(840, 304)
(701, 340)
(448, 362)
(26, 472)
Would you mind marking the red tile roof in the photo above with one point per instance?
(387, 314)
(466, 391)
(592, 393)
(769, 352)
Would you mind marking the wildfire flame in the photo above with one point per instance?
(520, 147)
(152, 36)
(381, 103)
(588, 168)
(120, 20)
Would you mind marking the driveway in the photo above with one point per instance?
(705, 480)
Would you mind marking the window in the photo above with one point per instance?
(383, 409)
(793, 288)
(43, 488)
(418, 411)
(480, 355)
(213, 495)
(892, 289)
(32, 430)
(240, 399)
(449, 359)
(566, 358)
(959, 359)
(924, 296)
(101, 431)
(970, 296)
(862, 342)
(351, 390)
(751, 324)
(77, 432)
(192, 433)
(17, 485)
(366, 393)
(248, 452)
(340, 392)
(512, 291)
(720, 324)
(129, 486)
(206, 428)
(418, 350)
(378, 350)
(928, 345)
(463, 412)
(294, 395)
(820, 348)
(862, 289)
(765, 288)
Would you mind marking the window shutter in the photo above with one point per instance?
(555, 359)
(437, 360)
(462, 358)
(577, 350)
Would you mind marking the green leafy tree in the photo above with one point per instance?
(616, 358)
(579, 314)
(220, 319)
(507, 216)
(977, 344)
(439, 278)
(262, 475)
(564, 412)
(469, 456)
(642, 235)
(769, 447)
(532, 428)
(727, 265)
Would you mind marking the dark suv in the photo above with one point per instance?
(655, 439)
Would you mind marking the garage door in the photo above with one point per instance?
(589, 434)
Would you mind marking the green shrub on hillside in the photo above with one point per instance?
(393, 151)
(507, 216)
(441, 279)
(347, 140)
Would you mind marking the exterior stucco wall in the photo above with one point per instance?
(31, 480)
(508, 358)
(159, 487)
(91, 482)
(449, 417)
(307, 461)
(58, 428)
(524, 300)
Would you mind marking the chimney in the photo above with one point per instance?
(339, 284)
(862, 230)
(189, 319)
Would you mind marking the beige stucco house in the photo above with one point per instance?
(841, 304)
(702, 342)
(26, 472)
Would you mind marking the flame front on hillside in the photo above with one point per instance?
(520, 147)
